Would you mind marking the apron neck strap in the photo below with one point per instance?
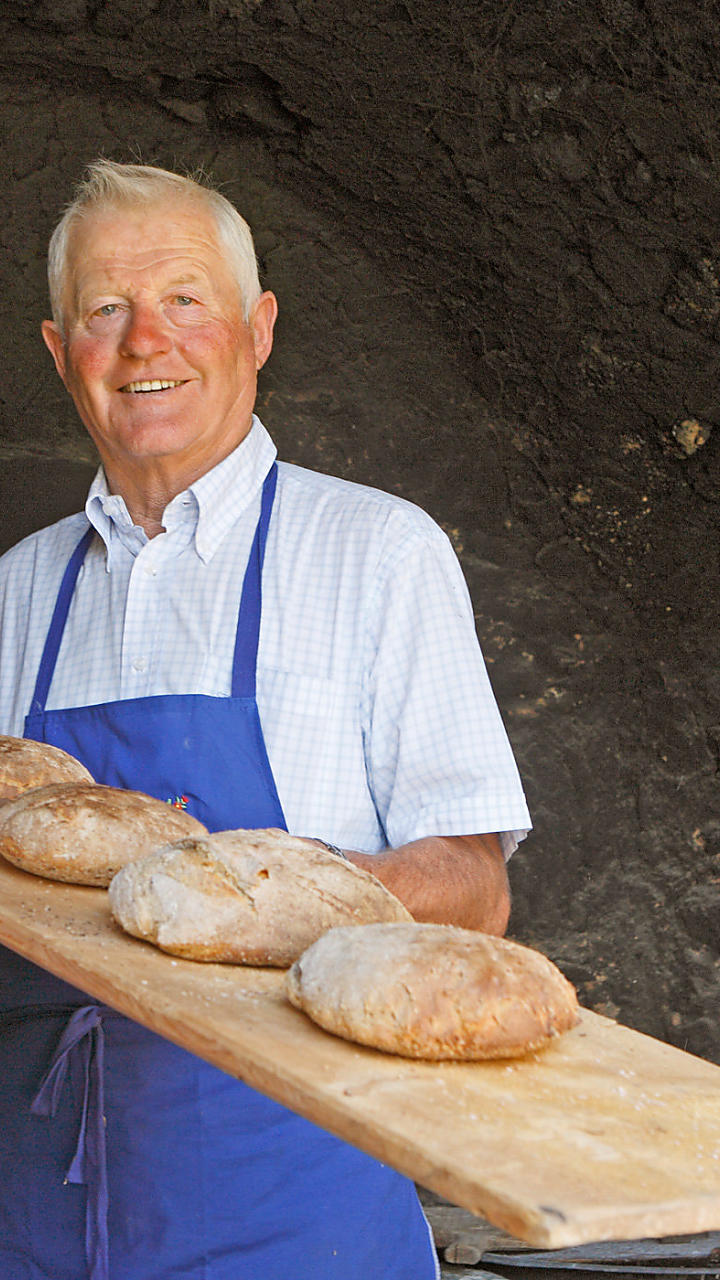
(57, 623)
(248, 629)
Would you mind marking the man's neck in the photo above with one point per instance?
(148, 486)
(146, 501)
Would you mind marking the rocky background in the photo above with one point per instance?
(493, 230)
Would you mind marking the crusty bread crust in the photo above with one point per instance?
(25, 764)
(82, 833)
(432, 991)
(255, 897)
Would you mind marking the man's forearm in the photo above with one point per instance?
(460, 880)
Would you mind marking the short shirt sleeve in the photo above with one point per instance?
(438, 758)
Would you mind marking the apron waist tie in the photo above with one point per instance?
(84, 1037)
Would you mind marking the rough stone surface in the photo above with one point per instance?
(493, 232)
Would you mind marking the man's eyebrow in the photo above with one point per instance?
(187, 277)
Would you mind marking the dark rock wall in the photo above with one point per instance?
(493, 230)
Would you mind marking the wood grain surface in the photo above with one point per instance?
(607, 1134)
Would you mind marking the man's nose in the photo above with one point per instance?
(145, 334)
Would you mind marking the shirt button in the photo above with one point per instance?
(140, 664)
(151, 571)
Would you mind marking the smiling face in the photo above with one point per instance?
(157, 355)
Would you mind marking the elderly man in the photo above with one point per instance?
(283, 649)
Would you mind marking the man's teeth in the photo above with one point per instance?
(156, 384)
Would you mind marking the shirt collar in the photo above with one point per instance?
(212, 504)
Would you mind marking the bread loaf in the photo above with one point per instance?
(83, 833)
(245, 897)
(25, 764)
(432, 991)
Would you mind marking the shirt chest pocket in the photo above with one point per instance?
(311, 727)
(316, 747)
(291, 698)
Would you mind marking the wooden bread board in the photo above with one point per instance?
(607, 1134)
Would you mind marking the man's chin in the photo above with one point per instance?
(143, 447)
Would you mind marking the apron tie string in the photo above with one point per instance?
(84, 1036)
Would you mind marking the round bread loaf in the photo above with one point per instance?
(432, 991)
(25, 764)
(245, 897)
(82, 833)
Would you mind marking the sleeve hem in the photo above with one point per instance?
(512, 826)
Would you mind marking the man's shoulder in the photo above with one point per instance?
(328, 499)
(45, 549)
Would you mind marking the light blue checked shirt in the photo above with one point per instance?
(378, 715)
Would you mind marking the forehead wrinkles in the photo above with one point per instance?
(129, 250)
(133, 273)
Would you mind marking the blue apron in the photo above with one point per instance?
(124, 1157)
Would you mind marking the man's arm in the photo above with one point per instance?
(460, 880)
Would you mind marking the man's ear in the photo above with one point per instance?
(55, 344)
(262, 323)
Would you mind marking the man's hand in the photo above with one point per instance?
(460, 880)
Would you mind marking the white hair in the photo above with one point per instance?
(109, 185)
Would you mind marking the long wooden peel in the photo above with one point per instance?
(607, 1134)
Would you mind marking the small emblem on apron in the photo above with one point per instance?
(178, 802)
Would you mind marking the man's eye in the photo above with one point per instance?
(107, 311)
(183, 300)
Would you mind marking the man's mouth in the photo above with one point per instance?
(154, 384)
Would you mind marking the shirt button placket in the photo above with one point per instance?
(141, 619)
